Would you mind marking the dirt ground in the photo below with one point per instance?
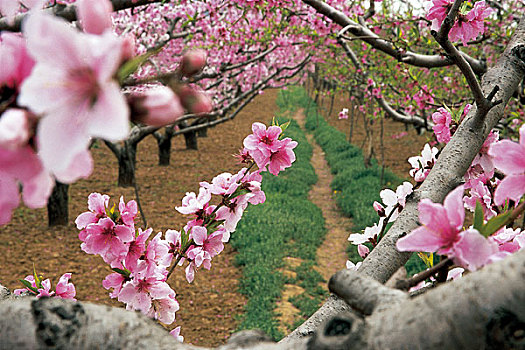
(210, 305)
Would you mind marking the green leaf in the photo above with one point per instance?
(37, 280)
(124, 273)
(133, 64)
(427, 259)
(478, 217)
(495, 223)
(28, 285)
(285, 125)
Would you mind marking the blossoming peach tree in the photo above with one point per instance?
(493, 198)
(61, 87)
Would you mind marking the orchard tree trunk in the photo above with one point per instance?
(332, 103)
(164, 152)
(126, 153)
(127, 161)
(164, 144)
(190, 137)
(202, 132)
(191, 140)
(57, 205)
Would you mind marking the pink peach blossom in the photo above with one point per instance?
(192, 203)
(97, 204)
(283, 157)
(343, 114)
(64, 288)
(136, 249)
(72, 87)
(16, 62)
(157, 106)
(442, 224)
(128, 212)
(421, 165)
(442, 120)
(192, 62)
(509, 157)
(22, 166)
(108, 240)
(176, 334)
(94, 15)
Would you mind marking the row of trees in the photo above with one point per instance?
(386, 59)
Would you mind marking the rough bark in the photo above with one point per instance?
(468, 313)
(126, 153)
(164, 152)
(57, 205)
(202, 132)
(465, 314)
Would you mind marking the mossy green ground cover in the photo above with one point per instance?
(356, 186)
(289, 225)
(286, 225)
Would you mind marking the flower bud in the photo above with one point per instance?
(363, 250)
(95, 15)
(194, 101)
(157, 107)
(379, 209)
(192, 62)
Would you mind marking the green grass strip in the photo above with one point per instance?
(288, 224)
(356, 187)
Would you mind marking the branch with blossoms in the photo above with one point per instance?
(446, 174)
(368, 36)
(142, 268)
(467, 26)
(38, 287)
(43, 96)
(391, 112)
(491, 238)
(11, 21)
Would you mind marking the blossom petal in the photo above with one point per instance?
(420, 240)
(109, 117)
(512, 187)
(473, 250)
(60, 140)
(54, 41)
(508, 156)
(453, 204)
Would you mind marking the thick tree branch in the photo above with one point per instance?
(408, 57)
(468, 313)
(454, 160)
(447, 173)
